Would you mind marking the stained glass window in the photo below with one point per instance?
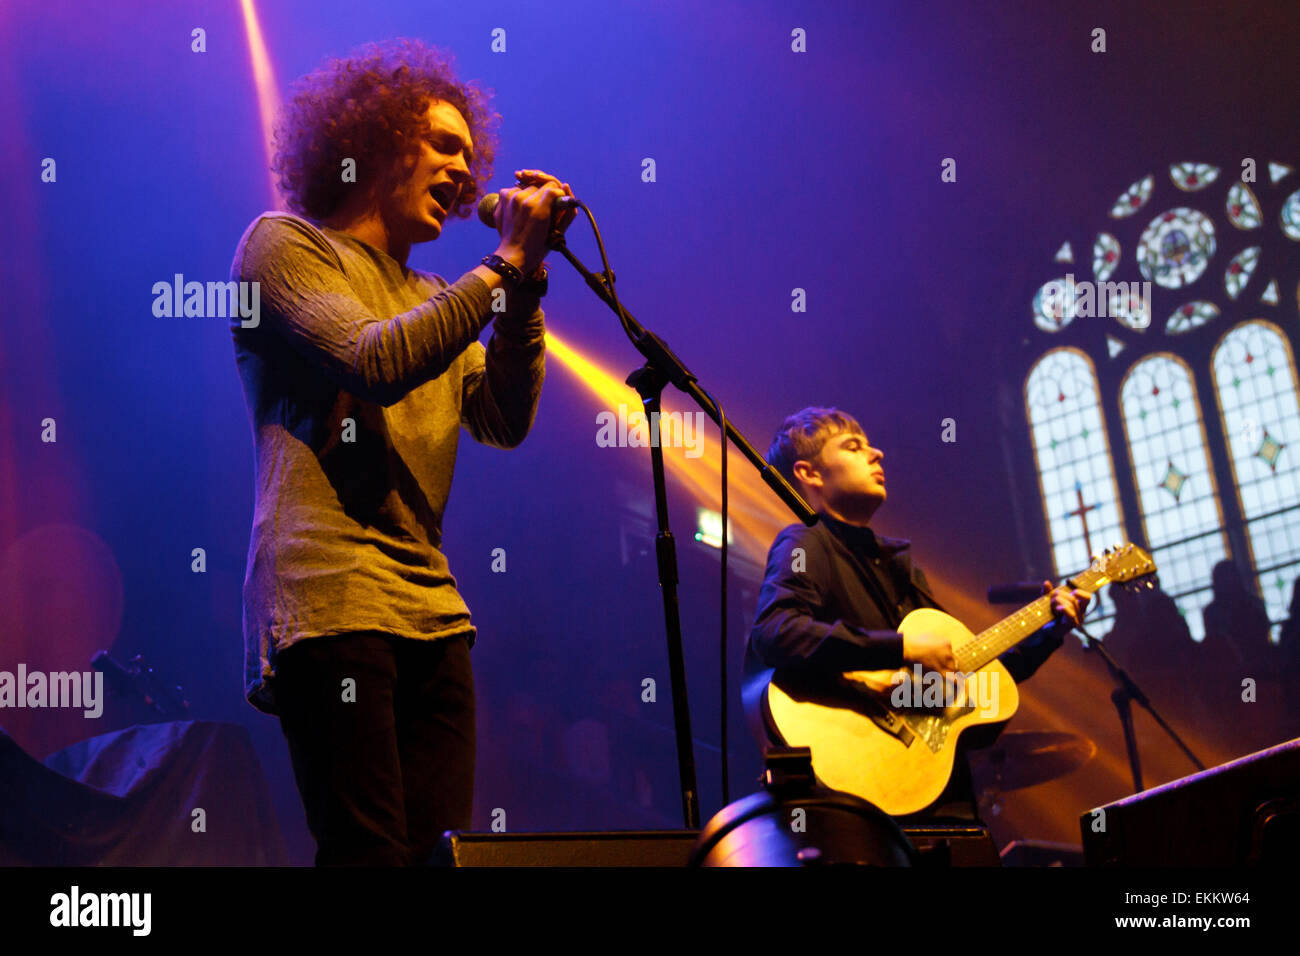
(1291, 215)
(1191, 315)
(1126, 304)
(1256, 384)
(1255, 377)
(1076, 478)
(1176, 247)
(1243, 209)
(1171, 470)
(1105, 256)
(1190, 177)
(1134, 198)
(1239, 271)
(1053, 308)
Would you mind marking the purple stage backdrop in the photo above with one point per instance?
(814, 203)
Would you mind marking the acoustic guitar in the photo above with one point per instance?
(890, 737)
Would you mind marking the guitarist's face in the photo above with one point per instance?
(846, 478)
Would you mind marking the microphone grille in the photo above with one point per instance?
(487, 209)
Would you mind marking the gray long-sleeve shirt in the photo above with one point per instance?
(357, 379)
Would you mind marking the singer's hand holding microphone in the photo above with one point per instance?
(526, 215)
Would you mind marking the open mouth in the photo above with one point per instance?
(444, 195)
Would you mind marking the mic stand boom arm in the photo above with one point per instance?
(660, 357)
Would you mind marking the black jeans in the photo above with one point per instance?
(384, 765)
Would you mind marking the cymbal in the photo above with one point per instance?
(1027, 758)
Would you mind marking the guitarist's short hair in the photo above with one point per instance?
(803, 434)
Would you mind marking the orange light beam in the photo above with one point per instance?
(757, 514)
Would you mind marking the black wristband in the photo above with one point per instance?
(504, 268)
(536, 284)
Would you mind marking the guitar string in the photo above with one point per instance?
(1039, 611)
(1003, 635)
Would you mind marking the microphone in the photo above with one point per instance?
(1020, 592)
(487, 207)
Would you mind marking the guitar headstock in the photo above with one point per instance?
(1119, 565)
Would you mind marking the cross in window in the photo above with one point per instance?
(1082, 513)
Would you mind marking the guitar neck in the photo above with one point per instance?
(988, 645)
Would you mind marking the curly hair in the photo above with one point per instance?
(370, 106)
(802, 435)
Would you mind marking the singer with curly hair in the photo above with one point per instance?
(357, 378)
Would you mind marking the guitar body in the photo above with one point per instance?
(899, 758)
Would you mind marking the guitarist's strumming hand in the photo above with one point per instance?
(931, 651)
(1068, 607)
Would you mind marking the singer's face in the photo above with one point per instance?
(427, 184)
(852, 478)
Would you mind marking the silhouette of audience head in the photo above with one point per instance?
(1122, 597)
(1236, 618)
(1227, 581)
(1142, 607)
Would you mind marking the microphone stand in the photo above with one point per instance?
(1125, 693)
(661, 368)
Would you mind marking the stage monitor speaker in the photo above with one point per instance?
(1246, 811)
(613, 848)
(1041, 853)
(942, 846)
(939, 847)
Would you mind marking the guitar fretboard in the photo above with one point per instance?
(1004, 635)
(1010, 631)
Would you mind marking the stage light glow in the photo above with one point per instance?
(757, 514)
(268, 93)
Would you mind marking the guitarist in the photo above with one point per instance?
(834, 594)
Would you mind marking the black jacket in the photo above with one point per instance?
(823, 610)
(826, 608)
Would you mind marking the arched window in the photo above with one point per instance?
(1075, 476)
(1255, 378)
(1186, 254)
(1174, 480)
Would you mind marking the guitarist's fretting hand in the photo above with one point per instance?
(1068, 607)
